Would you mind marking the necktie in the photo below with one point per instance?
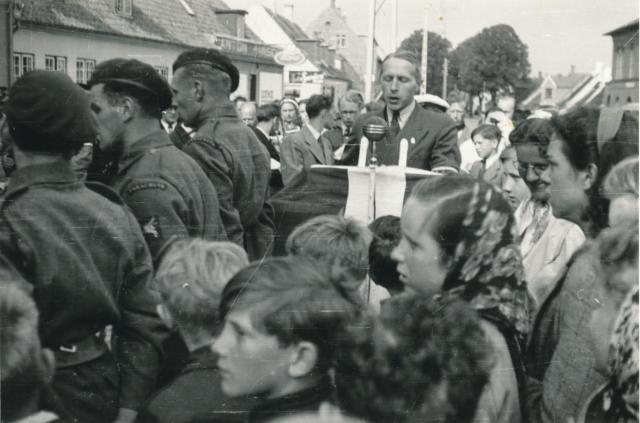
(394, 129)
(483, 168)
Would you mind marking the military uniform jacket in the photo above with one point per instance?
(238, 165)
(82, 257)
(168, 193)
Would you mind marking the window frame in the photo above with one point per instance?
(124, 7)
(19, 67)
(60, 63)
(84, 72)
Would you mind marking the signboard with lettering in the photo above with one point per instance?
(288, 57)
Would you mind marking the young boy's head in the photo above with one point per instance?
(382, 268)
(190, 280)
(335, 241)
(280, 319)
(486, 139)
(26, 368)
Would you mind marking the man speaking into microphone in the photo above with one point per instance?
(432, 137)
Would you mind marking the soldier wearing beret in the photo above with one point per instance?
(80, 253)
(167, 191)
(228, 151)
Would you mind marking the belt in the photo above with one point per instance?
(81, 351)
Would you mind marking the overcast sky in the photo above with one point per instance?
(559, 33)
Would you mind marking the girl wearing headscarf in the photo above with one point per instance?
(459, 241)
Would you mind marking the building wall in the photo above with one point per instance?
(354, 49)
(625, 55)
(5, 44)
(74, 45)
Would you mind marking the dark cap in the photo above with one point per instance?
(210, 57)
(135, 74)
(48, 112)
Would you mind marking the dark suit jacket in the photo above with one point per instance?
(300, 150)
(435, 135)
(494, 174)
(196, 394)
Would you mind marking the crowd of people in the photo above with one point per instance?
(138, 281)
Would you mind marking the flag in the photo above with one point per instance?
(341, 190)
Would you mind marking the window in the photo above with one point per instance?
(548, 93)
(84, 70)
(163, 71)
(22, 63)
(123, 7)
(341, 40)
(55, 63)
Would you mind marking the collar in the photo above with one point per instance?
(58, 172)
(491, 160)
(305, 400)
(39, 417)
(404, 114)
(313, 131)
(263, 131)
(156, 139)
(225, 109)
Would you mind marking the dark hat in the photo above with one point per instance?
(210, 57)
(48, 112)
(135, 74)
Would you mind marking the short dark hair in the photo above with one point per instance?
(420, 360)
(316, 104)
(294, 299)
(408, 57)
(130, 77)
(457, 96)
(382, 268)
(577, 131)
(267, 112)
(534, 131)
(490, 132)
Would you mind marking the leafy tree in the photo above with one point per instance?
(494, 59)
(437, 49)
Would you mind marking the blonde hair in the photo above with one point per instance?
(191, 277)
(622, 179)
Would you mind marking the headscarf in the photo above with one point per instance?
(623, 356)
(486, 269)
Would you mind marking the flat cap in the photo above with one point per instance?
(210, 57)
(48, 112)
(133, 73)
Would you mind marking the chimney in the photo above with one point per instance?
(332, 56)
(333, 4)
(311, 48)
(234, 19)
(573, 69)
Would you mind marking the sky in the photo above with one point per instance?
(559, 33)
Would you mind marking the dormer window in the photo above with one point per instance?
(123, 7)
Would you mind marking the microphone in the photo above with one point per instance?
(375, 129)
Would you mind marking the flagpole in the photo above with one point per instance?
(394, 24)
(368, 77)
(425, 50)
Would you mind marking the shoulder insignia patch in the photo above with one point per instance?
(151, 227)
(146, 185)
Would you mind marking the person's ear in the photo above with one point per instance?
(127, 108)
(304, 358)
(589, 176)
(198, 90)
(165, 316)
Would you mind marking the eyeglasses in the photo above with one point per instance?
(538, 168)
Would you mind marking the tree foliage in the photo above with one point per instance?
(494, 59)
(437, 49)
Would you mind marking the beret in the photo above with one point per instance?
(136, 74)
(210, 57)
(48, 112)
